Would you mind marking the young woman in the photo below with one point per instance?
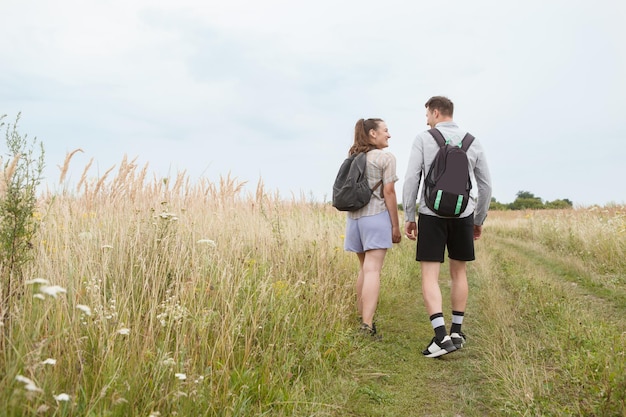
(373, 229)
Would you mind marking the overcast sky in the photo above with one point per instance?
(272, 89)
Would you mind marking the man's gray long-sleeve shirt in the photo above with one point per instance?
(422, 155)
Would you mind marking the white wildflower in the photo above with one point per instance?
(169, 362)
(37, 281)
(207, 242)
(62, 397)
(106, 247)
(180, 376)
(52, 290)
(154, 414)
(124, 331)
(85, 309)
(29, 385)
(39, 296)
(49, 361)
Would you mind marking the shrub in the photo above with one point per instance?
(21, 174)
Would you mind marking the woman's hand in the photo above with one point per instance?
(396, 236)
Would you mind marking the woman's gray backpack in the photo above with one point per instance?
(447, 185)
(351, 190)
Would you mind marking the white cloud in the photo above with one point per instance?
(249, 87)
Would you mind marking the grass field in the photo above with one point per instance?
(198, 300)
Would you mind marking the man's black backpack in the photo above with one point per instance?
(447, 185)
(351, 190)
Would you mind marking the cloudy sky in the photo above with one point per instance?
(272, 89)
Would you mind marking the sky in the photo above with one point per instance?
(271, 90)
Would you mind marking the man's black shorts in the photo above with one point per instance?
(434, 234)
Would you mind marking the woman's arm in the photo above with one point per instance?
(391, 202)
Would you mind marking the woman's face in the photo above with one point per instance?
(380, 136)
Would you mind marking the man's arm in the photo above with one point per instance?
(483, 183)
(412, 180)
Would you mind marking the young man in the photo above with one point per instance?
(435, 233)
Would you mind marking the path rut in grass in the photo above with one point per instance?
(392, 378)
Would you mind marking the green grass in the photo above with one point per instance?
(546, 336)
(254, 315)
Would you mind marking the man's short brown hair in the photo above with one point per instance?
(441, 103)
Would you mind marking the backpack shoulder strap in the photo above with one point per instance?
(379, 183)
(468, 139)
(435, 133)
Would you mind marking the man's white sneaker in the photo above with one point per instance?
(437, 348)
(458, 339)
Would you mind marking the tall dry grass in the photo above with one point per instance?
(596, 235)
(551, 286)
(167, 296)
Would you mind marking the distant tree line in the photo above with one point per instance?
(528, 201)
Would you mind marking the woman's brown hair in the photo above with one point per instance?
(362, 135)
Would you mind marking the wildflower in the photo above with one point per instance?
(124, 331)
(29, 384)
(62, 397)
(52, 290)
(85, 309)
(49, 361)
(37, 281)
(182, 377)
(154, 414)
(207, 242)
(280, 287)
(106, 247)
(169, 362)
(39, 296)
(166, 216)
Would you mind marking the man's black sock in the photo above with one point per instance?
(439, 325)
(457, 321)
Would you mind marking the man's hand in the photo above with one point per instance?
(410, 230)
(478, 230)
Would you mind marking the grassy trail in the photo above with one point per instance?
(546, 336)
